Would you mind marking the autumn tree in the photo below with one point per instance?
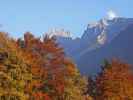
(115, 82)
(54, 75)
(14, 72)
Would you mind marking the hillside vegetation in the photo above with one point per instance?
(37, 69)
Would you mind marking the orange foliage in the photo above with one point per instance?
(49, 66)
(115, 82)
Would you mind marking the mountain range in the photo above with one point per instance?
(105, 39)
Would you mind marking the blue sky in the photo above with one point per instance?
(39, 16)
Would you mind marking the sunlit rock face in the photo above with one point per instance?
(102, 38)
(111, 27)
(59, 33)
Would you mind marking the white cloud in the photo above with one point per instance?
(111, 14)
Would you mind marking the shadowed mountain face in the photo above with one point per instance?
(104, 39)
(120, 47)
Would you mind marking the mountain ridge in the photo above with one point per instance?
(118, 48)
(94, 38)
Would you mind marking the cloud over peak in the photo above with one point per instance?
(111, 14)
